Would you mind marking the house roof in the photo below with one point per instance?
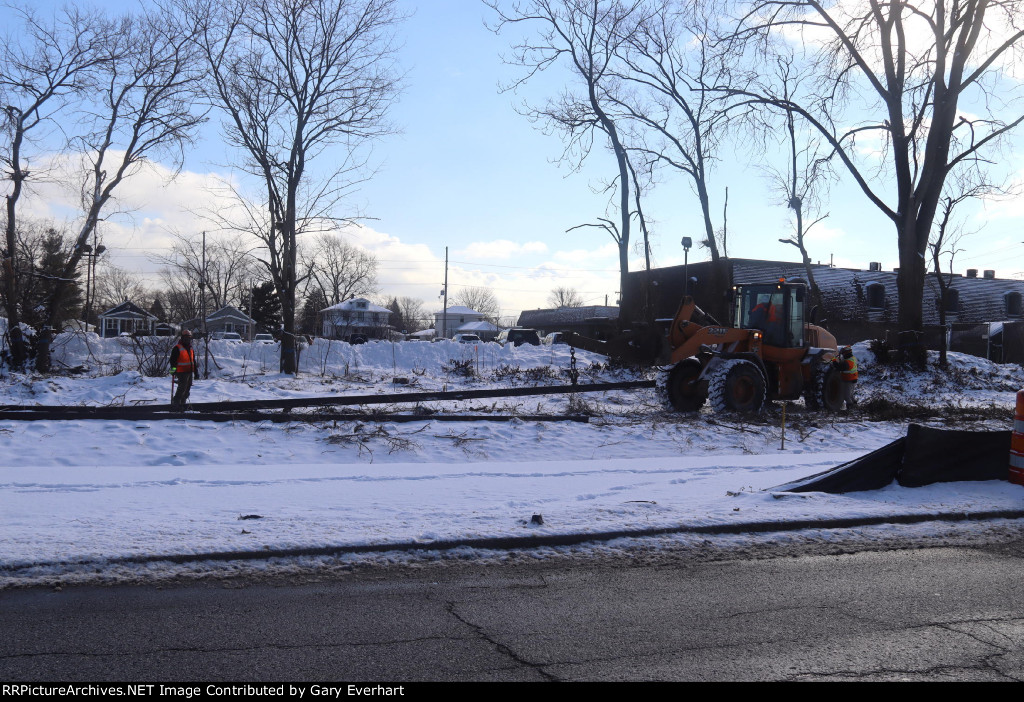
(228, 312)
(846, 289)
(351, 305)
(459, 309)
(481, 326)
(127, 310)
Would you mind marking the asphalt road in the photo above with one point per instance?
(928, 614)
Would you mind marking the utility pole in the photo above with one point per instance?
(252, 326)
(444, 324)
(202, 297)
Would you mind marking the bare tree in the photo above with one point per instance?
(115, 285)
(481, 300)
(44, 64)
(949, 232)
(295, 78)
(230, 268)
(143, 107)
(565, 297)
(338, 269)
(801, 182)
(908, 68)
(182, 299)
(586, 36)
(412, 313)
(668, 59)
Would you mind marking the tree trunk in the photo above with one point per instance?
(705, 208)
(910, 286)
(19, 353)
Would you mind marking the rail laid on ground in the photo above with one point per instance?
(248, 410)
(129, 414)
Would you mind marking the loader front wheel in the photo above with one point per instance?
(828, 388)
(738, 386)
(684, 392)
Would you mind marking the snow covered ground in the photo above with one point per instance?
(94, 500)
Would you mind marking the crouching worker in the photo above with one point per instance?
(846, 362)
(183, 369)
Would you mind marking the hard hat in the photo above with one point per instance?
(847, 351)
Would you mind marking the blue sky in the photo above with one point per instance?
(469, 173)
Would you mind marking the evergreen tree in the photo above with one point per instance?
(397, 318)
(266, 308)
(45, 254)
(315, 302)
(157, 310)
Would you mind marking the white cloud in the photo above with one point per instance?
(501, 249)
(151, 207)
(609, 251)
(822, 232)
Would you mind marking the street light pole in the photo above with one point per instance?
(92, 252)
(687, 242)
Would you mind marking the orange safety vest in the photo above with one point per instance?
(848, 369)
(186, 362)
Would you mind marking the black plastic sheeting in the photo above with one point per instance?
(926, 455)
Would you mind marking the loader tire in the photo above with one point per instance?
(683, 390)
(828, 391)
(737, 386)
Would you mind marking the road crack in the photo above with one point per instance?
(500, 647)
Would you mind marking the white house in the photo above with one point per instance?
(355, 319)
(448, 325)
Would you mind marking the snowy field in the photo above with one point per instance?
(94, 501)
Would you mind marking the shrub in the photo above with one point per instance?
(507, 372)
(456, 367)
(153, 354)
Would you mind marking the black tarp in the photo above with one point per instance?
(926, 455)
(871, 472)
(948, 455)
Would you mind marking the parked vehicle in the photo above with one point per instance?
(518, 336)
(466, 339)
(554, 338)
(263, 339)
(233, 337)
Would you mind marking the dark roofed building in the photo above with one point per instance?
(855, 304)
(126, 318)
(230, 319)
(582, 320)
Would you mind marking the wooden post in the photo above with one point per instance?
(783, 447)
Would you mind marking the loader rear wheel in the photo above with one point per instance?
(737, 385)
(683, 390)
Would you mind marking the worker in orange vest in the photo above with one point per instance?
(183, 369)
(846, 362)
(765, 316)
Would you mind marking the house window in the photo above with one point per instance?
(1012, 301)
(876, 296)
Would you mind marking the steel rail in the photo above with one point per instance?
(334, 400)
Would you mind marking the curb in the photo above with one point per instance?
(527, 542)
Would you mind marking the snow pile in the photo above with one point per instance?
(81, 496)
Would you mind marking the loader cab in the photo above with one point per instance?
(777, 309)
